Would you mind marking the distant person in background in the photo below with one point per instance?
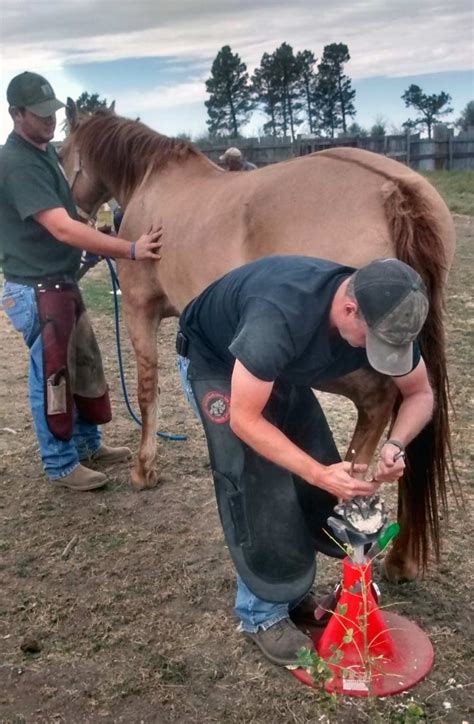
(233, 160)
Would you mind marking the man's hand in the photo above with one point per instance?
(336, 479)
(148, 245)
(391, 464)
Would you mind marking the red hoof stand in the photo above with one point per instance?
(369, 652)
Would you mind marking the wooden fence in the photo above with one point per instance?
(443, 152)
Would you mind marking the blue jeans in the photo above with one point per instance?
(59, 458)
(254, 613)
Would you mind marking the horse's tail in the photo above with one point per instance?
(417, 238)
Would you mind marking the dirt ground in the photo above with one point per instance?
(134, 617)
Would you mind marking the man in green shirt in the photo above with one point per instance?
(41, 241)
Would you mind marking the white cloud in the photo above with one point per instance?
(161, 98)
(384, 37)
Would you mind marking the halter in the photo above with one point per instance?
(78, 168)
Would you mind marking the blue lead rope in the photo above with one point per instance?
(116, 287)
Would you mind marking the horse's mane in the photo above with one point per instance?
(124, 150)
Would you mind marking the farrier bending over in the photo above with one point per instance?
(250, 348)
(41, 240)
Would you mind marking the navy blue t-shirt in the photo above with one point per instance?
(273, 316)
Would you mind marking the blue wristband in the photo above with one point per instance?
(133, 255)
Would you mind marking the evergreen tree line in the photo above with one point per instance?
(294, 89)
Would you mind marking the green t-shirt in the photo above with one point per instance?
(31, 180)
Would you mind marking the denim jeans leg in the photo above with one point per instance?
(87, 437)
(253, 612)
(59, 458)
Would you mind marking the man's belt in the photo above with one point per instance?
(63, 281)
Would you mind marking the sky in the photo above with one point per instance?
(154, 56)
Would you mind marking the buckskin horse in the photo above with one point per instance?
(343, 204)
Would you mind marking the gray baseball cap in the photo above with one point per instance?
(393, 300)
(33, 92)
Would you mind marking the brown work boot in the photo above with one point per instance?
(312, 611)
(108, 455)
(281, 642)
(81, 479)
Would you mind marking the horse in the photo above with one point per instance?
(344, 204)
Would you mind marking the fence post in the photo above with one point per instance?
(408, 146)
(450, 152)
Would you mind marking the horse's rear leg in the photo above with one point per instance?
(143, 320)
(374, 396)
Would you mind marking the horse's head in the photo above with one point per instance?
(88, 188)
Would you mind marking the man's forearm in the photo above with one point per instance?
(272, 444)
(85, 237)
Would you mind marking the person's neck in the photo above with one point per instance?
(41, 146)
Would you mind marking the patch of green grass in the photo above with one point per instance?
(96, 294)
(170, 672)
(456, 188)
(115, 541)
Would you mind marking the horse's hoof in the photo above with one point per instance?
(400, 572)
(144, 482)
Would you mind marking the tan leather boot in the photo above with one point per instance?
(106, 455)
(81, 479)
(281, 642)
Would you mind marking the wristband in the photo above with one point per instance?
(396, 443)
(133, 251)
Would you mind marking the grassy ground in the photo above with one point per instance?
(117, 607)
(457, 189)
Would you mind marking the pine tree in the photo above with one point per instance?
(307, 80)
(266, 93)
(288, 72)
(277, 90)
(230, 102)
(430, 107)
(88, 103)
(466, 118)
(334, 89)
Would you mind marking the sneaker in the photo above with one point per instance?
(108, 455)
(281, 642)
(313, 611)
(81, 479)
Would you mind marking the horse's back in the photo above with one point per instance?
(332, 204)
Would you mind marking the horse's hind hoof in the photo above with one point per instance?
(144, 482)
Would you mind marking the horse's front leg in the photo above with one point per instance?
(374, 396)
(143, 319)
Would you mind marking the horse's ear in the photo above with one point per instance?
(71, 113)
(111, 108)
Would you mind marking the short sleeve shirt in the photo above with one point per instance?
(31, 180)
(273, 316)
